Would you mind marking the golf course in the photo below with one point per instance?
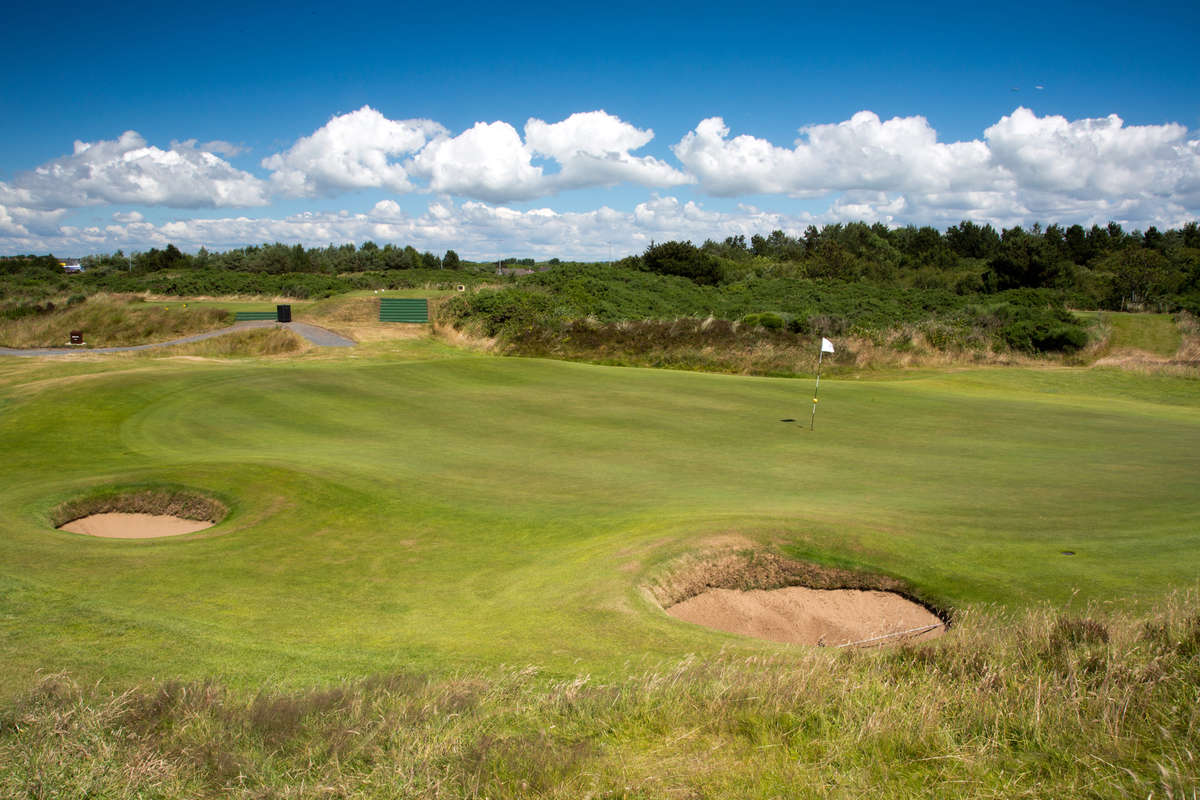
(410, 507)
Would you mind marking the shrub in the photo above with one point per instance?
(767, 319)
(683, 259)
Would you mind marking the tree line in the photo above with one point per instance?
(1100, 267)
(1096, 267)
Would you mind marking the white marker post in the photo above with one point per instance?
(826, 347)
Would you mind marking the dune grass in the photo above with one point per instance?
(112, 320)
(1089, 703)
(240, 344)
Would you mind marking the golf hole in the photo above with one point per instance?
(139, 513)
(766, 596)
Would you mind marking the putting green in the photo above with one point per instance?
(467, 510)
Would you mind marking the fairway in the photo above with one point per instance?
(453, 510)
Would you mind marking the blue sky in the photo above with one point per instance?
(412, 124)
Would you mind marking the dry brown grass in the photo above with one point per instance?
(358, 319)
(748, 568)
(274, 341)
(181, 503)
(1048, 703)
(109, 321)
(713, 345)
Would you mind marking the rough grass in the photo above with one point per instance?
(110, 321)
(1152, 333)
(714, 345)
(180, 503)
(252, 342)
(1147, 344)
(748, 568)
(1050, 703)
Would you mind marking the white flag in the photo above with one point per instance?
(826, 345)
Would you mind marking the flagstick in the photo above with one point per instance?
(813, 421)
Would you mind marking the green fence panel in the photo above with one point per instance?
(243, 316)
(403, 309)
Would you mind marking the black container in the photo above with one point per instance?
(283, 313)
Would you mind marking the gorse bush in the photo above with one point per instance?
(1030, 321)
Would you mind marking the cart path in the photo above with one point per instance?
(314, 334)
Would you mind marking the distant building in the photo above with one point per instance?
(71, 265)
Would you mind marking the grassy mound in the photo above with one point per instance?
(1156, 334)
(253, 342)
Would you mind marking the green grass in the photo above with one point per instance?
(429, 581)
(1154, 333)
(469, 510)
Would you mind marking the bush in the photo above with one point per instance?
(683, 259)
(768, 320)
(1044, 335)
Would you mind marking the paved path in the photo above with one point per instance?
(318, 336)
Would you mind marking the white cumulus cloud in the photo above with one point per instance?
(863, 152)
(128, 170)
(1094, 159)
(1025, 168)
(359, 150)
(594, 150)
(489, 161)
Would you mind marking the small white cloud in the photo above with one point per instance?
(227, 149)
(132, 216)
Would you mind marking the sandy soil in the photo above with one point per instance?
(811, 616)
(119, 525)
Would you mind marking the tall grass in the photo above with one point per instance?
(110, 320)
(714, 345)
(240, 344)
(1053, 703)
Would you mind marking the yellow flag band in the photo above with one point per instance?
(814, 399)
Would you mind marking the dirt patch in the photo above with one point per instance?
(801, 615)
(763, 594)
(120, 525)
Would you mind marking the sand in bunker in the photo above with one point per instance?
(811, 616)
(119, 525)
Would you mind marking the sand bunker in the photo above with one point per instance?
(119, 525)
(797, 614)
